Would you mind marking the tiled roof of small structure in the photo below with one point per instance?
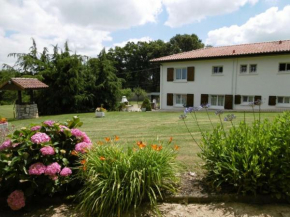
(274, 47)
(23, 84)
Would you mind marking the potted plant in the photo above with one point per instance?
(3, 123)
(146, 106)
(100, 112)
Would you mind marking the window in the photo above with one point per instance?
(181, 74)
(283, 99)
(244, 69)
(283, 67)
(180, 99)
(217, 100)
(253, 68)
(248, 99)
(217, 70)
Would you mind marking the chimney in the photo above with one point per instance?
(234, 51)
(280, 42)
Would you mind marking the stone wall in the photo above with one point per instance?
(26, 111)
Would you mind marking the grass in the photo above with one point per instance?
(144, 126)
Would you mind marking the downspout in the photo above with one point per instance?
(161, 86)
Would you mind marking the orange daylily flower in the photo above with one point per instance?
(117, 138)
(74, 153)
(159, 148)
(100, 143)
(108, 139)
(102, 158)
(154, 147)
(84, 168)
(141, 145)
(83, 161)
(176, 147)
(170, 139)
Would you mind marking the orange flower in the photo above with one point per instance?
(74, 153)
(84, 168)
(154, 147)
(108, 139)
(102, 158)
(159, 148)
(176, 147)
(141, 145)
(83, 161)
(170, 139)
(117, 138)
(100, 143)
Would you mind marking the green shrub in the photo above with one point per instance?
(38, 159)
(250, 158)
(116, 178)
(146, 104)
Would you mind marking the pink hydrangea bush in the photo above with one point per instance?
(41, 154)
(16, 200)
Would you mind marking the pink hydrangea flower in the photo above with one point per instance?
(40, 138)
(86, 138)
(53, 177)
(47, 150)
(49, 123)
(82, 147)
(37, 169)
(62, 128)
(35, 128)
(16, 200)
(52, 169)
(77, 133)
(5, 145)
(66, 171)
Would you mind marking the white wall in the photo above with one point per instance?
(267, 82)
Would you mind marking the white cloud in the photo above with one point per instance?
(268, 26)
(85, 24)
(183, 12)
(135, 40)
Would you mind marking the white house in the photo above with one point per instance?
(228, 77)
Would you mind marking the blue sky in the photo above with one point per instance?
(92, 25)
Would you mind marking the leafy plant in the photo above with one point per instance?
(249, 158)
(139, 92)
(146, 104)
(116, 179)
(38, 160)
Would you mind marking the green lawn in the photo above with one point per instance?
(145, 126)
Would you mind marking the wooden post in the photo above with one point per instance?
(31, 97)
(19, 97)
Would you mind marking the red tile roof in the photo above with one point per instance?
(23, 84)
(230, 51)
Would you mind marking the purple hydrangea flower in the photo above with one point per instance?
(82, 147)
(49, 123)
(35, 128)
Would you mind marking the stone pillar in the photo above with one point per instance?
(26, 111)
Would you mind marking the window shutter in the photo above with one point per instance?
(170, 74)
(229, 101)
(204, 99)
(189, 100)
(272, 100)
(170, 99)
(237, 99)
(190, 73)
(258, 98)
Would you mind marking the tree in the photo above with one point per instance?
(139, 92)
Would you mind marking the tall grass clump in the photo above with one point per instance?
(249, 158)
(117, 179)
